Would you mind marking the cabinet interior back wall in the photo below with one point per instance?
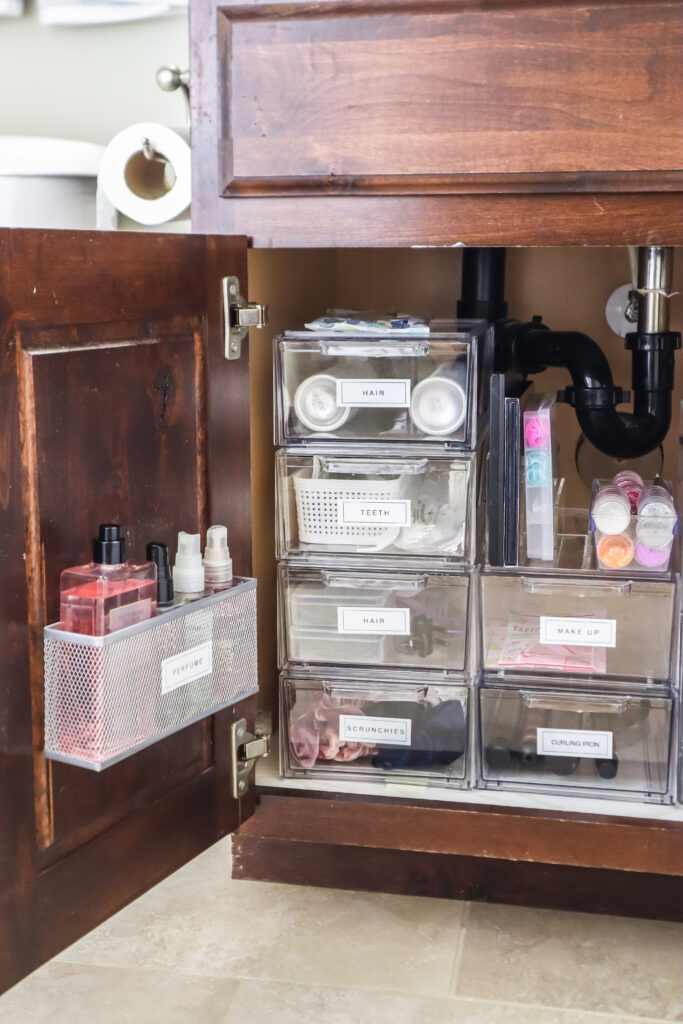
(569, 286)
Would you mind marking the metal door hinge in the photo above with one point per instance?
(238, 316)
(246, 748)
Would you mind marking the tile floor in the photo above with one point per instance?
(202, 949)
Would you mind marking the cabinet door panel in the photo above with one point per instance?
(394, 97)
(426, 122)
(117, 405)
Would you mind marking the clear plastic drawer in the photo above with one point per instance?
(598, 744)
(396, 505)
(107, 697)
(375, 619)
(379, 388)
(364, 729)
(580, 624)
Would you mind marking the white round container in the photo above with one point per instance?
(439, 404)
(48, 183)
(315, 404)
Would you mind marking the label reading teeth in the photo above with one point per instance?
(375, 513)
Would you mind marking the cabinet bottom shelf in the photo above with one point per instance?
(563, 859)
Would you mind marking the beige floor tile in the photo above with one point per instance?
(200, 921)
(62, 993)
(275, 1003)
(607, 964)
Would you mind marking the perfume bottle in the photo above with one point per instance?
(108, 593)
(217, 560)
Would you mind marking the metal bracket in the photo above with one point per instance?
(238, 316)
(245, 752)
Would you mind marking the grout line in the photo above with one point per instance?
(459, 950)
(606, 1016)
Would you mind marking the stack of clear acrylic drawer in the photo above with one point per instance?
(376, 486)
(578, 692)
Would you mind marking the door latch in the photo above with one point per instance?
(238, 316)
(245, 752)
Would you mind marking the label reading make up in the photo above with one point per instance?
(377, 621)
(392, 394)
(578, 632)
(579, 742)
(194, 663)
(393, 732)
(375, 513)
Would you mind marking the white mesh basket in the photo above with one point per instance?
(108, 696)
(318, 503)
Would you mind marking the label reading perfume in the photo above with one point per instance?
(375, 513)
(393, 394)
(194, 663)
(578, 632)
(393, 732)
(577, 742)
(377, 621)
(129, 614)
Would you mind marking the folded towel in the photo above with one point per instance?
(101, 12)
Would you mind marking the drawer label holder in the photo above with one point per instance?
(578, 632)
(394, 732)
(576, 742)
(375, 513)
(390, 394)
(376, 621)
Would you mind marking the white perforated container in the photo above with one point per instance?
(319, 504)
(107, 697)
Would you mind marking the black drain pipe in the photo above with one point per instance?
(532, 347)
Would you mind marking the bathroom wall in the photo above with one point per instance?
(89, 82)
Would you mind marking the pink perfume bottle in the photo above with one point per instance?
(108, 593)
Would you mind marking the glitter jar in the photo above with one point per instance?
(611, 510)
(616, 552)
(656, 518)
(632, 485)
(651, 558)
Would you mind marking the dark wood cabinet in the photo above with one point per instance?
(407, 122)
(321, 123)
(402, 123)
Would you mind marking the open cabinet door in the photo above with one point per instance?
(116, 404)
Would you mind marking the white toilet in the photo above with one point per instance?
(47, 183)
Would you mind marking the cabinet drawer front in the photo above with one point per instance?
(396, 506)
(595, 626)
(612, 745)
(435, 97)
(336, 389)
(374, 618)
(371, 730)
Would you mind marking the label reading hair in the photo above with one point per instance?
(377, 621)
(393, 394)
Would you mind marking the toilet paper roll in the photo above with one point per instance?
(145, 173)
